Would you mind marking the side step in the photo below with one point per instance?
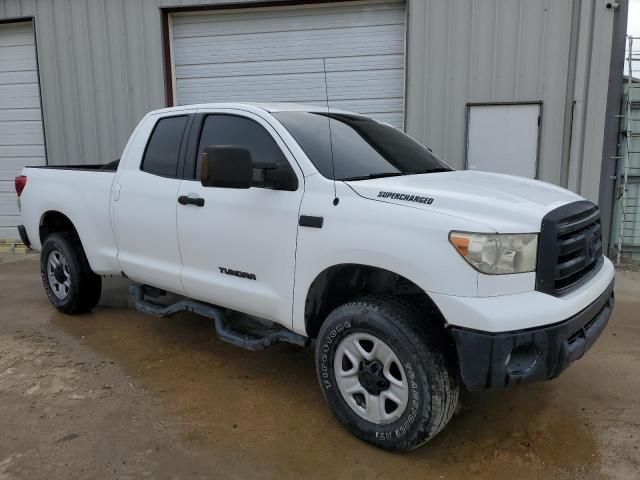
(246, 340)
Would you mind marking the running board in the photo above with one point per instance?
(225, 331)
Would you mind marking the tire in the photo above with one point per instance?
(427, 365)
(71, 285)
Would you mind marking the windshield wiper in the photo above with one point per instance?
(394, 174)
(372, 175)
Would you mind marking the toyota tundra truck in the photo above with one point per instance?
(289, 223)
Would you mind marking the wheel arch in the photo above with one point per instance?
(54, 221)
(344, 282)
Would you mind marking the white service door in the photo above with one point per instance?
(504, 139)
(275, 54)
(21, 133)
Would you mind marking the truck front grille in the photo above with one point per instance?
(569, 248)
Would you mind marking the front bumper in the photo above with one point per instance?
(498, 360)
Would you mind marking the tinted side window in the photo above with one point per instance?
(163, 149)
(245, 133)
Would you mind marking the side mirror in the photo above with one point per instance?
(226, 166)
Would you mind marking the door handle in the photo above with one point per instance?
(116, 192)
(185, 200)
(310, 221)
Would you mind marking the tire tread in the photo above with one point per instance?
(432, 344)
(89, 285)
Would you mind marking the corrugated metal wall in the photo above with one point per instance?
(487, 51)
(512, 51)
(101, 69)
(100, 72)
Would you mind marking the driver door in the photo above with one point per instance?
(238, 245)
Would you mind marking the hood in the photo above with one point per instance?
(504, 203)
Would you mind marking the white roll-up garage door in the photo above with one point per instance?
(274, 54)
(21, 134)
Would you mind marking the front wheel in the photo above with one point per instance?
(71, 285)
(389, 379)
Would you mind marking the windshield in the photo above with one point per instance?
(362, 147)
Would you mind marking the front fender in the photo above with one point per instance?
(407, 241)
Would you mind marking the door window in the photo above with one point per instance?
(243, 132)
(163, 150)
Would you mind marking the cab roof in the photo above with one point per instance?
(253, 106)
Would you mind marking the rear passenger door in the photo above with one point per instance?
(238, 245)
(144, 203)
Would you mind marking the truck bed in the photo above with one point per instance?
(82, 193)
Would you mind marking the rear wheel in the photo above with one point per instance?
(71, 285)
(386, 376)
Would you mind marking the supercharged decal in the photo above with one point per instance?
(406, 197)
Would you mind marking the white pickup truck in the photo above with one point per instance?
(414, 279)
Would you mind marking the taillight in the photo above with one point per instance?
(21, 182)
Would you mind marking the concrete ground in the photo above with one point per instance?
(117, 394)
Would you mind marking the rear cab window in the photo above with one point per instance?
(162, 153)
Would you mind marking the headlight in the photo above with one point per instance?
(496, 254)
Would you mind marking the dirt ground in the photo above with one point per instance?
(117, 394)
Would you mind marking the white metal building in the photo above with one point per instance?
(518, 86)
